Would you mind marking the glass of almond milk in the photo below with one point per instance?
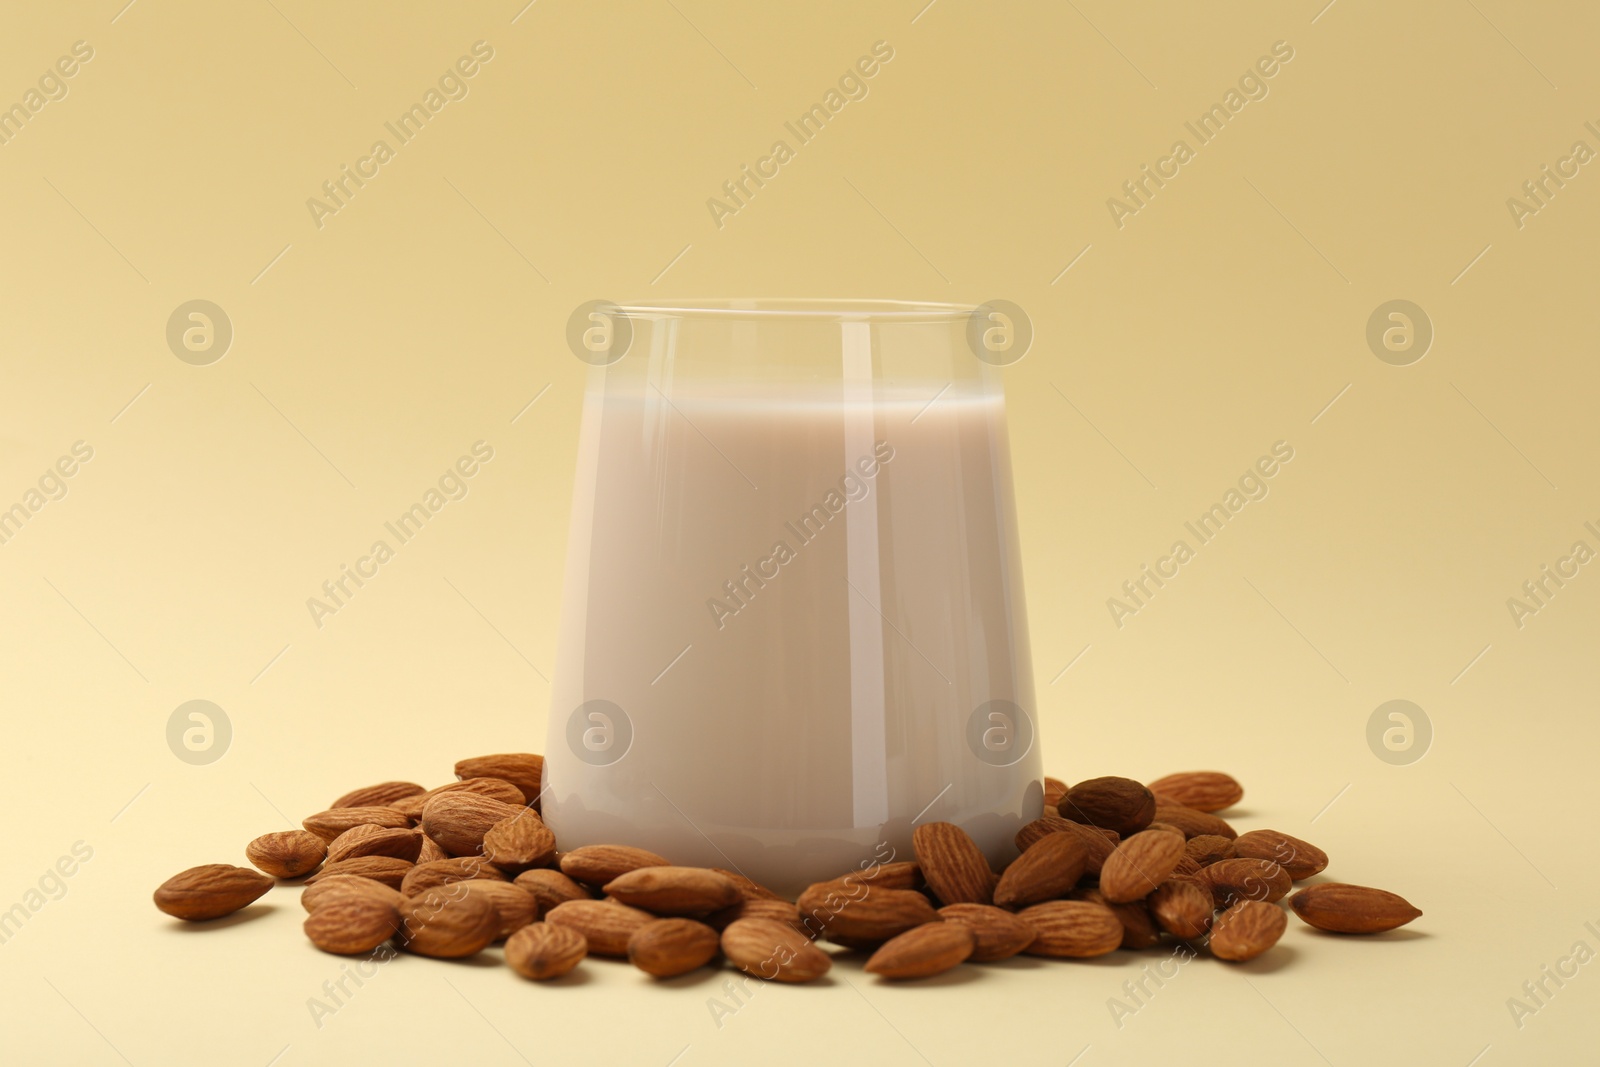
(793, 624)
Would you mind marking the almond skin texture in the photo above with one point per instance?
(515, 906)
(1072, 928)
(861, 913)
(1298, 857)
(550, 887)
(1054, 790)
(1209, 848)
(670, 947)
(903, 875)
(447, 923)
(1192, 821)
(426, 876)
(675, 890)
(953, 864)
(773, 951)
(430, 850)
(352, 924)
(604, 924)
(411, 806)
(369, 840)
(335, 821)
(776, 910)
(541, 951)
(1246, 930)
(459, 820)
(1200, 790)
(287, 853)
(522, 769)
(997, 933)
(1352, 909)
(519, 843)
(210, 891)
(346, 885)
(923, 952)
(1139, 864)
(751, 890)
(1182, 907)
(378, 796)
(1244, 879)
(598, 864)
(493, 788)
(1046, 871)
(384, 869)
(1119, 804)
(1038, 829)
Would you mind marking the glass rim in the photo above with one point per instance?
(853, 310)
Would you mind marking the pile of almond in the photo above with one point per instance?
(1112, 864)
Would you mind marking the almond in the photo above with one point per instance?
(493, 788)
(432, 875)
(287, 853)
(903, 875)
(1054, 790)
(541, 951)
(1246, 930)
(1037, 830)
(776, 910)
(446, 923)
(1139, 864)
(352, 924)
(515, 906)
(335, 821)
(1207, 849)
(369, 840)
(550, 887)
(458, 820)
(773, 951)
(953, 864)
(210, 891)
(1139, 929)
(411, 806)
(669, 947)
(674, 890)
(522, 769)
(923, 951)
(1182, 907)
(598, 864)
(862, 913)
(997, 933)
(1201, 790)
(430, 850)
(1192, 821)
(378, 796)
(1352, 909)
(1299, 858)
(1119, 804)
(1046, 871)
(1244, 879)
(605, 924)
(751, 890)
(385, 869)
(1074, 928)
(520, 843)
(343, 885)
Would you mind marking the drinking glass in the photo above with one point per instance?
(793, 624)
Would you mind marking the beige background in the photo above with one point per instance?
(1224, 316)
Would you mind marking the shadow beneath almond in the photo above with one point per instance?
(250, 913)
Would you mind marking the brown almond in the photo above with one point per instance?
(674, 890)
(432, 875)
(1182, 907)
(520, 843)
(430, 850)
(378, 796)
(493, 788)
(1035, 831)
(1207, 849)
(1352, 909)
(411, 806)
(352, 924)
(369, 840)
(1054, 790)
(1246, 930)
(542, 951)
(605, 924)
(515, 906)
(447, 923)
(670, 947)
(287, 853)
(1200, 790)
(902, 875)
(343, 885)
(1046, 871)
(762, 908)
(1192, 821)
(551, 887)
(997, 934)
(210, 891)
(955, 867)
(1072, 928)
(522, 769)
(1139, 929)
(458, 820)
(1119, 804)
(1298, 857)
(598, 864)
(863, 913)
(1244, 879)
(1186, 867)
(751, 890)
(923, 951)
(1139, 864)
(385, 869)
(335, 821)
(774, 951)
